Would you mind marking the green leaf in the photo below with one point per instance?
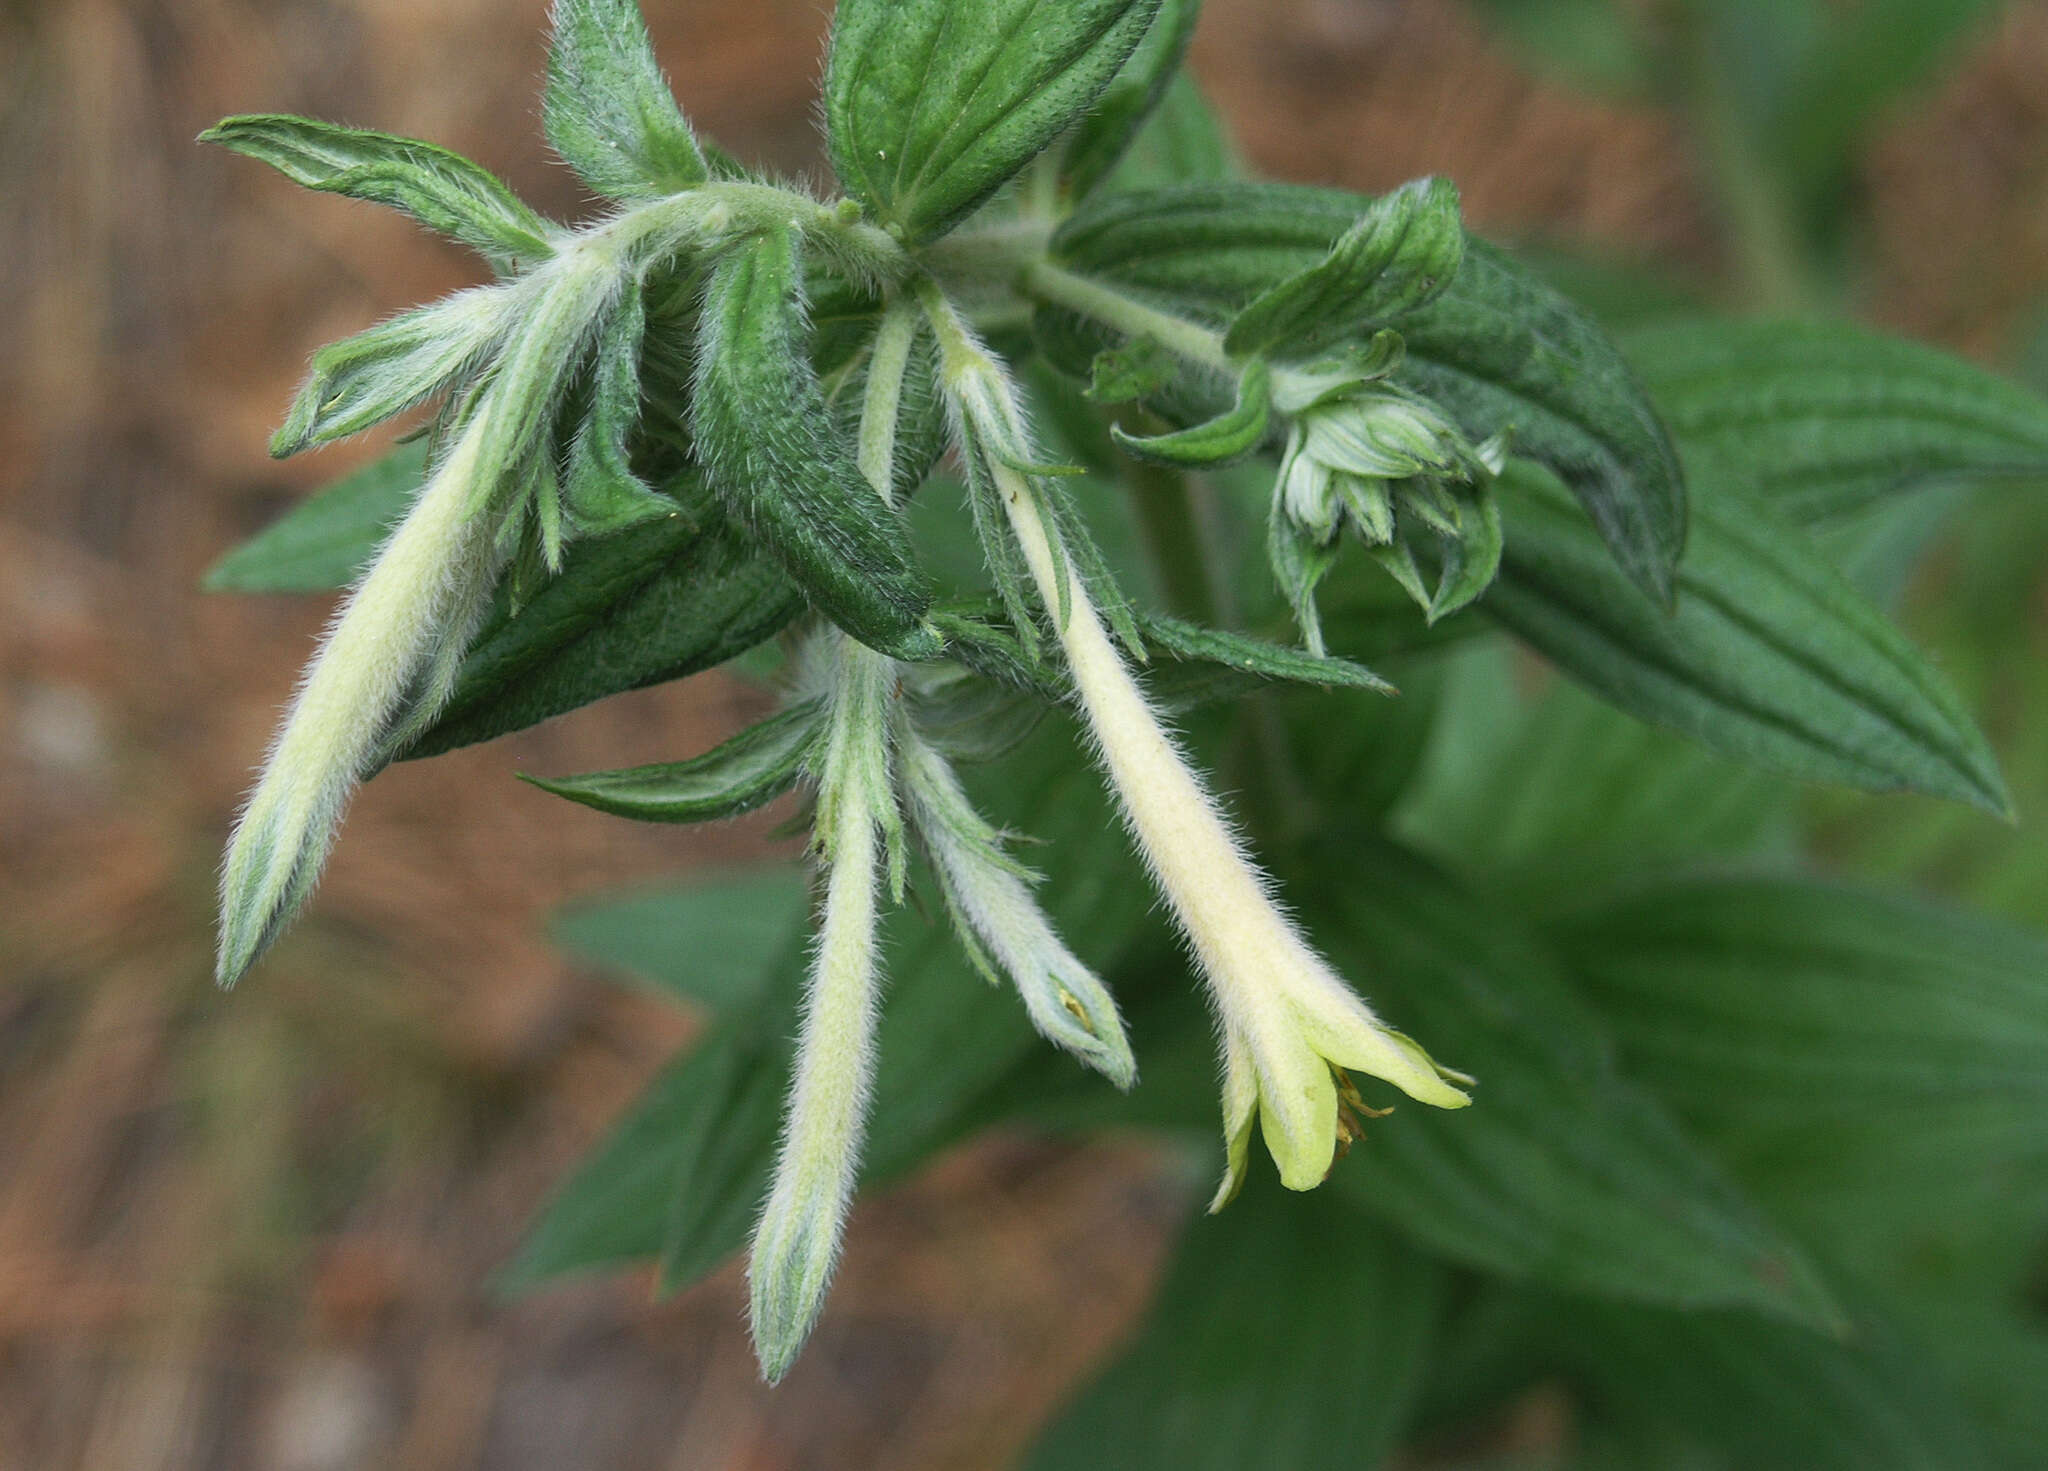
(1400, 255)
(327, 540)
(608, 110)
(1761, 1396)
(652, 603)
(1499, 348)
(1191, 643)
(1289, 1326)
(360, 381)
(932, 105)
(1563, 1171)
(690, 1148)
(1790, 1005)
(1228, 436)
(443, 191)
(1100, 140)
(1771, 658)
(774, 454)
(1557, 798)
(1822, 420)
(753, 768)
(601, 493)
(715, 942)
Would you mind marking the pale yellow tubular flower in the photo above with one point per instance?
(1287, 1018)
(425, 583)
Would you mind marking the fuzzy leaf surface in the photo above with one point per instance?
(1771, 657)
(1401, 254)
(751, 769)
(1824, 420)
(773, 452)
(1100, 140)
(652, 603)
(933, 105)
(608, 110)
(442, 190)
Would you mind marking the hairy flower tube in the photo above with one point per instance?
(382, 664)
(796, 1240)
(1287, 1019)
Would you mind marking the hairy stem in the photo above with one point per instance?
(1048, 284)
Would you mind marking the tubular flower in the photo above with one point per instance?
(1287, 1019)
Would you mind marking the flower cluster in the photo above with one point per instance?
(1366, 454)
(679, 331)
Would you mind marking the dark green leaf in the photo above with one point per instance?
(652, 603)
(443, 191)
(327, 540)
(1563, 1170)
(1402, 254)
(1190, 643)
(1228, 436)
(1556, 798)
(1500, 349)
(1824, 419)
(1790, 1005)
(1099, 141)
(1771, 658)
(715, 942)
(753, 768)
(1290, 1333)
(608, 109)
(774, 454)
(695, 1147)
(1761, 1396)
(932, 105)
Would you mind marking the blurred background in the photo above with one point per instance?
(260, 1230)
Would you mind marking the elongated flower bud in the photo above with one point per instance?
(796, 1241)
(991, 900)
(385, 660)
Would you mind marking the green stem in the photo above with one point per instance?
(1052, 286)
(1769, 257)
(1170, 525)
(887, 363)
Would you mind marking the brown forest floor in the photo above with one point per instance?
(256, 1231)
